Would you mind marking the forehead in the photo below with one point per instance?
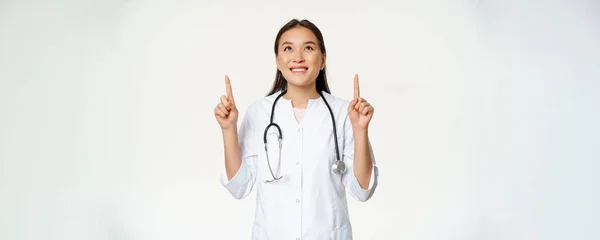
(298, 35)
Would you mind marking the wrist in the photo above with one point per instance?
(229, 130)
(360, 132)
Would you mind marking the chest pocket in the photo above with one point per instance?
(324, 142)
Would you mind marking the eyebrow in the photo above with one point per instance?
(307, 42)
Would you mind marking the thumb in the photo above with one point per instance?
(351, 105)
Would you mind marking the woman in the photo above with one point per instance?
(301, 187)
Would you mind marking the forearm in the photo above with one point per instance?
(363, 164)
(233, 156)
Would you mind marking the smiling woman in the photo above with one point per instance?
(300, 55)
(301, 183)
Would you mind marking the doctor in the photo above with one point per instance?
(300, 147)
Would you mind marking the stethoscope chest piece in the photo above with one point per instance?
(338, 167)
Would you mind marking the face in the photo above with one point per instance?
(299, 56)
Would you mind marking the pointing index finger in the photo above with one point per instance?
(356, 89)
(228, 87)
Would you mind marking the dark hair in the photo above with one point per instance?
(280, 82)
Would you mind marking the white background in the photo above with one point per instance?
(486, 122)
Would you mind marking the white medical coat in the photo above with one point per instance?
(309, 202)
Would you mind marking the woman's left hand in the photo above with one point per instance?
(360, 111)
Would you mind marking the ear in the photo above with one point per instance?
(277, 62)
(323, 60)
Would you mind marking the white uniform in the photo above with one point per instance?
(309, 202)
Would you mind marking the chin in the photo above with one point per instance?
(300, 80)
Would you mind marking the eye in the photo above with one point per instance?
(287, 48)
(309, 48)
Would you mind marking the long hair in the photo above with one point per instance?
(280, 82)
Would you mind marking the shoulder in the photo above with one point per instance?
(260, 107)
(339, 107)
(336, 102)
(262, 103)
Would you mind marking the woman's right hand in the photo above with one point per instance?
(226, 112)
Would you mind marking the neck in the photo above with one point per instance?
(299, 95)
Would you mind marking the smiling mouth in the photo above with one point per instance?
(299, 69)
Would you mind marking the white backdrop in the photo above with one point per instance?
(485, 124)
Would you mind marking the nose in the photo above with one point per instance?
(298, 57)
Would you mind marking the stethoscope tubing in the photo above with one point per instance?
(337, 167)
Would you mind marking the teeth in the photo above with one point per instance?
(298, 70)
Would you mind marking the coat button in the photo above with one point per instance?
(297, 200)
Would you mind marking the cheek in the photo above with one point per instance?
(281, 62)
(314, 60)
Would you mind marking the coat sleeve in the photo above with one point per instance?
(241, 184)
(349, 178)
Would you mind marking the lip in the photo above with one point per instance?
(299, 69)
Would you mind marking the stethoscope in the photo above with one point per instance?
(337, 167)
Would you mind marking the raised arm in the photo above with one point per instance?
(227, 117)
(240, 171)
(360, 113)
(362, 178)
